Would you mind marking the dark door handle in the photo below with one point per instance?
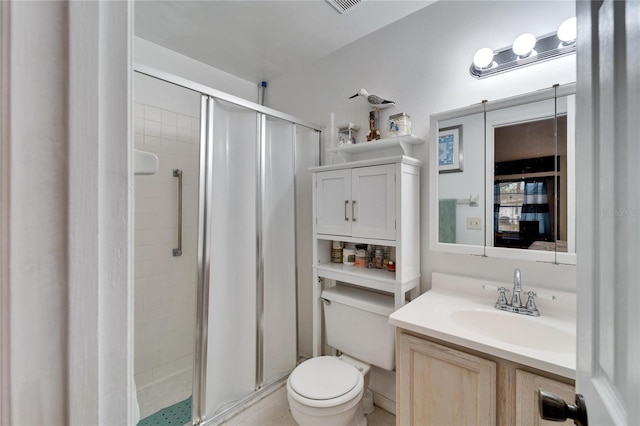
(553, 408)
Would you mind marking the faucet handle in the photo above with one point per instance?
(492, 287)
(502, 299)
(531, 303)
(544, 295)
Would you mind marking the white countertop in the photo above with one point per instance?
(458, 310)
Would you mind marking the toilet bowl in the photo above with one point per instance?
(327, 390)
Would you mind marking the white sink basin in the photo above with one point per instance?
(459, 310)
(516, 329)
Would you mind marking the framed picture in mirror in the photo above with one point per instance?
(450, 154)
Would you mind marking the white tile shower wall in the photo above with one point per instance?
(165, 286)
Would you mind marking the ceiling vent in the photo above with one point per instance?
(342, 6)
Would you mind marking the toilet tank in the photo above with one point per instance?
(357, 323)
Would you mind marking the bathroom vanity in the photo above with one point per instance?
(460, 361)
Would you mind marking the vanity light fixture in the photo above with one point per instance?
(567, 31)
(527, 49)
(523, 45)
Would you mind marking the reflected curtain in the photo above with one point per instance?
(536, 206)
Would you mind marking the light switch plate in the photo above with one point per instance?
(473, 223)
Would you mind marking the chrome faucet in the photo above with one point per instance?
(516, 306)
(517, 289)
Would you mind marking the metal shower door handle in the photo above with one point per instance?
(178, 250)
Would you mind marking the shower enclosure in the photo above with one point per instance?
(244, 217)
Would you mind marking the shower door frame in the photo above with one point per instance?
(208, 96)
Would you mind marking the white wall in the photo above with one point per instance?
(65, 317)
(158, 57)
(422, 63)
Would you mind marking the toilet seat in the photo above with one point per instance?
(325, 381)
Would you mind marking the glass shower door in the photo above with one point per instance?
(230, 361)
(251, 209)
(278, 342)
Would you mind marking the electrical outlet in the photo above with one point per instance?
(473, 223)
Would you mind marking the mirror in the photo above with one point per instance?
(502, 178)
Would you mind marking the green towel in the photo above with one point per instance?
(447, 219)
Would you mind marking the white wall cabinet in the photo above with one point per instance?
(374, 202)
(441, 383)
(357, 202)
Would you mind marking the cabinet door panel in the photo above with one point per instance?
(442, 386)
(333, 202)
(374, 198)
(527, 400)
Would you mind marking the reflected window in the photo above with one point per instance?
(530, 171)
(510, 200)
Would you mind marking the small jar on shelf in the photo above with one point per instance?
(347, 134)
(336, 252)
(379, 259)
(399, 125)
(391, 266)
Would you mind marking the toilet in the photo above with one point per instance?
(328, 390)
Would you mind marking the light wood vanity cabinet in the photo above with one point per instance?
(527, 385)
(443, 384)
(438, 385)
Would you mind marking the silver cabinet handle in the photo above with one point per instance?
(178, 250)
(353, 211)
(346, 203)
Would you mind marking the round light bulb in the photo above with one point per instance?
(483, 58)
(524, 44)
(567, 30)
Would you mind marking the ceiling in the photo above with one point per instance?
(263, 39)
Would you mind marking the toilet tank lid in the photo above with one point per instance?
(370, 301)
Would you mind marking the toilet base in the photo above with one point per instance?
(349, 417)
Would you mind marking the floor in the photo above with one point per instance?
(379, 417)
(156, 396)
(272, 410)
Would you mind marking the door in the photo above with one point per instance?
(230, 226)
(333, 202)
(608, 153)
(373, 202)
(278, 301)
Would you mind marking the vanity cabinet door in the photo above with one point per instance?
(373, 198)
(333, 202)
(527, 385)
(437, 385)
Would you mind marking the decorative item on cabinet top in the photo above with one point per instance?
(348, 134)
